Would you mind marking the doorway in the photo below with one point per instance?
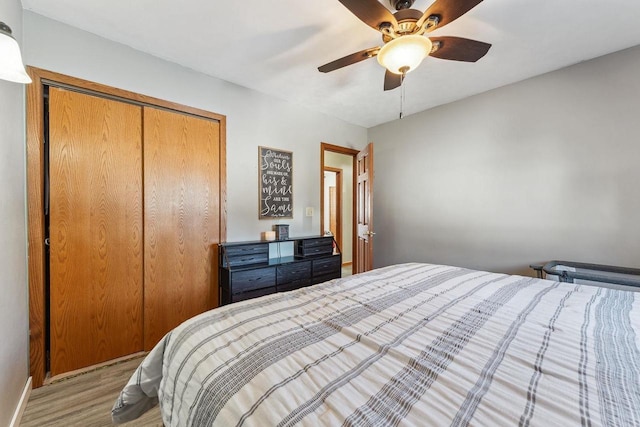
(333, 211)
(337, 202)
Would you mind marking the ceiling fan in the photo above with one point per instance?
(405, 45)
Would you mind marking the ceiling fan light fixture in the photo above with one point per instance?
(405, 53)
(11, 67)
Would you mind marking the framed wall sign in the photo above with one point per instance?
(275, 186)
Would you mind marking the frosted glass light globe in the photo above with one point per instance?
(11, 67)
(404, 53)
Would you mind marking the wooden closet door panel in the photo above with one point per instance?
(181, 218)
(95, 228)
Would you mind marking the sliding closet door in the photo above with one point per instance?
(96, 229)
(181, 218)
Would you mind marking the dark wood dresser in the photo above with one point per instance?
(246, 270)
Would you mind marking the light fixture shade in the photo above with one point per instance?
(404, 54)
(11, 67)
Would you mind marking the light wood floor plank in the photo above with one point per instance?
(84, 400)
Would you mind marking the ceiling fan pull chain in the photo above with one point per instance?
(402, 94)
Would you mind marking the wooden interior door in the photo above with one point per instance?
(364, 210)
(181, 219)
(95, 229)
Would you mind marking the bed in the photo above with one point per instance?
(410, 344)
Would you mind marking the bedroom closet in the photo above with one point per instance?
(126, 207)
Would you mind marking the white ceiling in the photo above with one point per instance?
(275, 46)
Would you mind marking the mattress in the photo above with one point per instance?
(410, 344)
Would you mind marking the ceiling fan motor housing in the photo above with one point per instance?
(401, 4)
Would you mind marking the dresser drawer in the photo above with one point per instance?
(294, 271)
(325, 266)
(245, 254)
(248, 280)
(252, 294)
(315, 250)
(314, 247)
(317, 241)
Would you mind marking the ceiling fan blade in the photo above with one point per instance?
(349, 59)
(392, 80)
(447, 11)
(459, 49)
(371, 12)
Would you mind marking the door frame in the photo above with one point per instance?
(349, 152)
(35, 190)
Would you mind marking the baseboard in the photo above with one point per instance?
(346, 264)
(22, 405)
(75, 373)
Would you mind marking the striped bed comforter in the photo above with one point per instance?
(411, 344)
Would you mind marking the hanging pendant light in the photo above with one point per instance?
(11, 67)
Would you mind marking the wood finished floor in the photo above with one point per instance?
(84, 400)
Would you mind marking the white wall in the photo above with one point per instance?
(344, 162)
(548, 168)
(14, 316)
(253, 119)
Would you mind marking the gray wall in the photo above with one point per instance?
(548, 168)
(253, 119)
(14, 315)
